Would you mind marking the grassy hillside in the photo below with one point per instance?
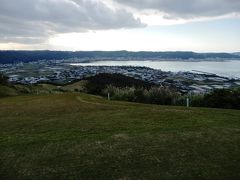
(20, 89)
(94, 85)
(73, 136)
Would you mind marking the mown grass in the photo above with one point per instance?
(78, 136)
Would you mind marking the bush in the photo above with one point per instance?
(161, 95)
(197, 100)
(124, 94)
(7, 91)
(96, 84)
(155, 95)
(219, 98)
(3, 79)
(223, 98)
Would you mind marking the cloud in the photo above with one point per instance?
(186, 9)
(33, 21)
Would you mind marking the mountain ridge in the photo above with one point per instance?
(15, 56)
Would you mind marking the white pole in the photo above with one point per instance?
(109, 96)
(187, 102)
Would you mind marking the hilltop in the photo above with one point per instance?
(93, 84)
(80, 136)
(125, 88)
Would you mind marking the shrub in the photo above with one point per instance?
(223, 98)
(124, 94)
(219, 98)
(155, 95)
(3, 79)
(96, 84)
(161, 95)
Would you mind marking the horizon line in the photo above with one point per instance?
(200, 52)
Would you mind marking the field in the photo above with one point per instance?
(78, 136)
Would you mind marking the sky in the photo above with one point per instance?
(134, 25)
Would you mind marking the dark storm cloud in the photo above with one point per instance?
(186, 8)
(30, 21)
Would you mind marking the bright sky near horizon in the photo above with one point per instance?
(134, 25)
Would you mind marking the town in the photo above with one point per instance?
(62, 72)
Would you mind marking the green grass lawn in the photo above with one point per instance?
(78, 136)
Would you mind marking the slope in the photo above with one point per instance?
(74, 135)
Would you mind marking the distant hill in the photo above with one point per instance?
(28, 56)
(237, 53)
